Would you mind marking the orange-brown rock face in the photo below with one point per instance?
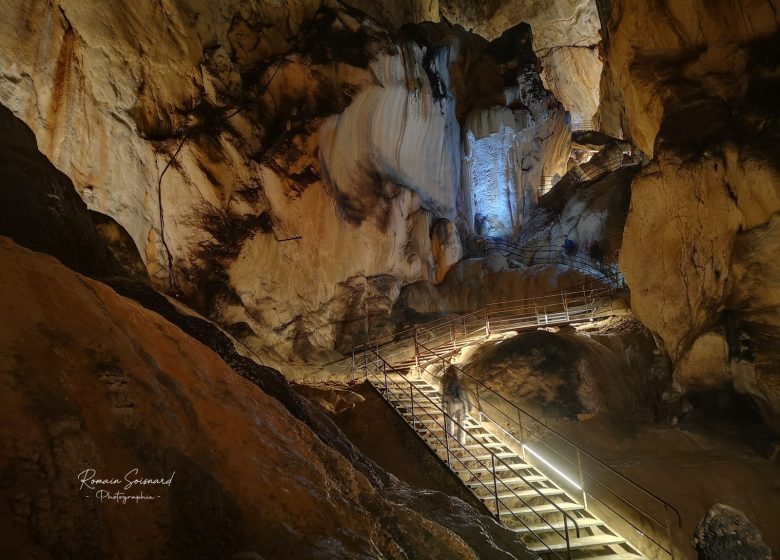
(93, 381)
(693, 84)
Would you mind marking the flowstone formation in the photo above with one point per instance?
(276, 168)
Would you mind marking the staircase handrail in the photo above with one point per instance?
(399, 336)
(494, 457)
(578, 262)
(403, 340)
(567, 441)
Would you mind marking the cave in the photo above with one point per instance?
(399, 279)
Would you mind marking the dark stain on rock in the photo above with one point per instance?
(62, 74)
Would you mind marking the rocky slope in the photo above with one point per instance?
(94, 381)
(259, 157)
(703, 221)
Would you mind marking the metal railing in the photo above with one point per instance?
(599, 165)
(564, 306)
(582, 124)
(435, 341)
(540, 432)
(376, 369)
(550, 254)
(545, 186)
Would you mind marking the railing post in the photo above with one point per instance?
(452, 335)
(416, 350)
(565, 305)
(566, 535)
(582, 482)
(446, 439)
(384, 370)
(414, 415)
(495, 487)
(487, 322)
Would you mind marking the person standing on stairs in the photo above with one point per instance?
(454, 399)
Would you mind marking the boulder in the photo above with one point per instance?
(725, 533)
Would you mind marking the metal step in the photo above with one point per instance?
(513, 480)
(503, 455)
(593, 541)
(499, 468)
(618, 556)
(524, 494)
(582, 523)
(545, 508)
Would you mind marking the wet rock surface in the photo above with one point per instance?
(563, 375)
(694, 94)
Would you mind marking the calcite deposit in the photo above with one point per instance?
(264, 159)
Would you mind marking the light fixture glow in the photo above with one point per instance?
(546, 462)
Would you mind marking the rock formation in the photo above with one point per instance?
(725, 533)
(557, 375)
(260, 158)
(110, 386)
(39, 207)
(566, 33)
(702, 224)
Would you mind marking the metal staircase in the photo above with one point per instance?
(560, 500)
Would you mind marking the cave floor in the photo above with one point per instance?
(701, 462)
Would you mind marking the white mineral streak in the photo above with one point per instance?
(110, 92)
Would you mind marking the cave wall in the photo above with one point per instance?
(695, 86)
(270, 161)
(566, 35)
(110, 386)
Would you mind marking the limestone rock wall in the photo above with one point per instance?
(694, 87)
(267, 160)
(111, 386)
